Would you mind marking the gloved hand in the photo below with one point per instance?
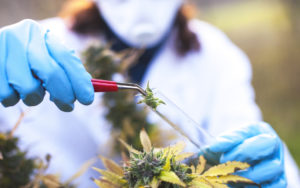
(32, 61)
(257, 145)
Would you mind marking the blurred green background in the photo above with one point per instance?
(267, 30)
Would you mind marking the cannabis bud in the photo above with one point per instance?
(163, 167)
(150, 99)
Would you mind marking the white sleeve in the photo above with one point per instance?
(233, 102)
(291, 170)
(9, 116)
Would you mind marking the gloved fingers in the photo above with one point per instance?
(253, 149)
(78, 76)
(65, 107)
(211, 157)
(231, 139)
(53, 77)
(8, 96)
(279, 183)
(18, 71)
(264, 172)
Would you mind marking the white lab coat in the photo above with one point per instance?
(213, 87)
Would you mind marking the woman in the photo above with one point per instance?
(216, 76)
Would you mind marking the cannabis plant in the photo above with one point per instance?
(163, 168)
(17, 170)
(15, 167)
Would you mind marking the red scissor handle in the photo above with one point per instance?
(104, 85)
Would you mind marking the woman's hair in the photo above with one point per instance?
(83, 17)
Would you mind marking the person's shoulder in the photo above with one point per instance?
(60, 28)
(52, 21)
(218, 48)
(55, 24)
(209, 34)
(215, 41)
(204, 29)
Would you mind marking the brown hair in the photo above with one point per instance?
(83, 17)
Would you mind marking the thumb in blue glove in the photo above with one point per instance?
(32, 61)
(258, 145)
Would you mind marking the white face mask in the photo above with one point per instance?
(140, 23)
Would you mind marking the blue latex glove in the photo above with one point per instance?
(257, 145)
(32, 61)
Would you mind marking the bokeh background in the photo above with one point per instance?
(267, 30)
